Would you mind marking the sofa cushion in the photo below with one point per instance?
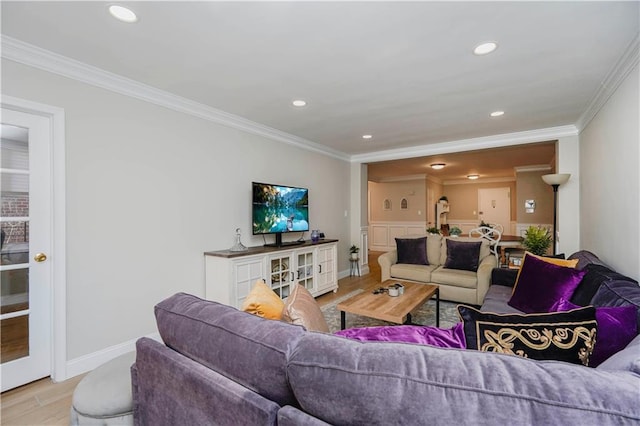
(412, 250)
(302, 309)
(230, 342)
(585, 258)
(627, 359)
(263, 302)
(595, 276)
(343, 381)
(496, 300)
(618, 293)
(616, 328)
(434, 249)
(464, 255)
(455, 277)
(562, 336)
(541, 284)
(411, 272)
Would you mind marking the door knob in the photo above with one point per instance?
(40, 257)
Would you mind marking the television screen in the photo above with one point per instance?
(278, 209)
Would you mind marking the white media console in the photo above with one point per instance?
(229, 276)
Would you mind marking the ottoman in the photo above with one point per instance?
(103, 397)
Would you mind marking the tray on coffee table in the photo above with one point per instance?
(396, 309)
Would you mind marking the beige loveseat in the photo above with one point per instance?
(455, 285)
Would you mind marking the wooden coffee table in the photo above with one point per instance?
(388, 308)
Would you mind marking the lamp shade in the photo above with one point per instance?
(556, 179)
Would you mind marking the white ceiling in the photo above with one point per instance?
(401, 71)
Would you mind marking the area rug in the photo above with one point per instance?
(425, 315)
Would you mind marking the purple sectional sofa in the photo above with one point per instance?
(222, 366)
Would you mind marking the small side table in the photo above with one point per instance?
(354, 266)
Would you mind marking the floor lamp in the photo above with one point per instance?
(555, 180)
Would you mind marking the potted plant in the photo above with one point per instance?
(433, 230)
(537, 240)
(354, 249)
(455, 231)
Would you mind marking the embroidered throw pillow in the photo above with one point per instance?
(412, 250)
(463, 255)
(263, 302)
(562, 336)
(542, 284)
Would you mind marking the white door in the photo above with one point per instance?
(494, 206)
(25, 267)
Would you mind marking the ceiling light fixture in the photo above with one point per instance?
(497, 113)
(485, 48)
(299, 103)
(473, 177)
(438, 166)
(123, 14)
(367, 136)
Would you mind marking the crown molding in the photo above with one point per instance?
(533, 168)
(620, 70)
(401, 178)
(28, 54)
(485, 142)
(477, 181)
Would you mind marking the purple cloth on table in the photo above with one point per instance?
(440, 337)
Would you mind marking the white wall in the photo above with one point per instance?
(149, 190)
(568, 229)
(609, 186)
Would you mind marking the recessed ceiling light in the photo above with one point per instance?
(299, 103)
(473, 177)
(367, 136)
(497, 113)
(123, 14)
(485, 48)
(438, 166)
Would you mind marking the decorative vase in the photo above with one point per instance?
(315, 236)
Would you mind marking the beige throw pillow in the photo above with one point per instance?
(302, 309)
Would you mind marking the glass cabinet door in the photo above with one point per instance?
(305, 270)
(281, 275)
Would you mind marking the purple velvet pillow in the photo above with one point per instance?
(617, 327)
(412, 250)
(541, 284)
(463, 255)
(439, 337)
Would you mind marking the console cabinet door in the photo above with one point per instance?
(305, 269)
(327, 274)
(229, 281)
(245, 273)
(281, 273)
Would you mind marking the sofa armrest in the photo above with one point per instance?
(385, 261)
(484, 277)
(171, 389)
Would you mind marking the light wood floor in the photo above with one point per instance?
(46, 403)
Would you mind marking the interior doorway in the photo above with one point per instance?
(494, 206)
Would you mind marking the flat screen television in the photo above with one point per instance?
(278, 209)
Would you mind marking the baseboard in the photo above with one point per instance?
(90, 361)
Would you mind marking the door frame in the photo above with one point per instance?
(57, 257)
